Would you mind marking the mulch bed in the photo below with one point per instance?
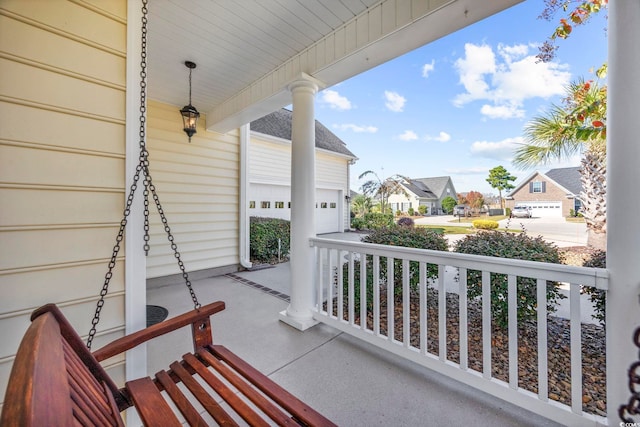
(558, 345)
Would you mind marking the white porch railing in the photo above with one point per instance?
(347, 311)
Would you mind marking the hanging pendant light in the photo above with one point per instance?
(189, 113)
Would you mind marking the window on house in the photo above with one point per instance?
(332, 205)
(323, 205)
(289, 205)
(279, 205)
(537, 187)
(265, 205)
(252, 204)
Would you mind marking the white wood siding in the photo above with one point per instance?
(62, 144)
(197, 184)
(270, 164)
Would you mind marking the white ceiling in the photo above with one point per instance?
(236, 43)
(233, 42)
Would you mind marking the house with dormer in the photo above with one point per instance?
(427, 192)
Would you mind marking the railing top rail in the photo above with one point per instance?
(588, 276)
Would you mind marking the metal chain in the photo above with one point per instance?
(632, 407)
(142, 167)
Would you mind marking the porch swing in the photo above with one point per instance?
(57, 381)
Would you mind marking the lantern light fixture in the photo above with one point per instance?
(189, 113)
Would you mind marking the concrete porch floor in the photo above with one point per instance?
(349, 381)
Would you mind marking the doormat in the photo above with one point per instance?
(156, 314)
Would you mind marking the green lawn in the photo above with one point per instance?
(473, 218)
(463, 229)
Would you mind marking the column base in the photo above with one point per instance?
(299, 324)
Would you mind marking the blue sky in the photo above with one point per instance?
(458, 106)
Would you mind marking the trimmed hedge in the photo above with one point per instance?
(373, 221)
(263, 236)
(515, 246)
(485, 224)
(422, 238)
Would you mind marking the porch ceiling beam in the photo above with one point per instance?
(385, 31)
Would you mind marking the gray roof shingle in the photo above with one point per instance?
(569, 178)
(436, 185)
(278, 124)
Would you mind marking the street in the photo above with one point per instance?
(556, 230)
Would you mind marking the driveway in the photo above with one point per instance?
(556, 230)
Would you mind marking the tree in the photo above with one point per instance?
(361, 205)
(579, 13)
(475, 200)
(578, 125)
(381, 190)
(448, 203)
(500, 179)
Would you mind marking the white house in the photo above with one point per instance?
(269, 193)
(427, 192)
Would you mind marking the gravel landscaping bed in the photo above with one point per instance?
(558, 348)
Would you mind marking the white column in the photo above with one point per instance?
(135, 261)
(623, 205)
(303, 205)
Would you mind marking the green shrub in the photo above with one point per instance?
(372, 221)
(507, 212)
(263, 236)
(376, 220)
(598, 297)
(410, 211)
(358, 223)
(574, 214)
(514, 246)
(448, 203)
(422, 209)
(409, 237)
(485, 224)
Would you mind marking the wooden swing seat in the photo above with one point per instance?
(57, 381)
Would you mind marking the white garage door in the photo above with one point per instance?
(274, 201)
(328, 211)
(544, 209)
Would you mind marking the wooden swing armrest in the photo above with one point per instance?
(198, 318)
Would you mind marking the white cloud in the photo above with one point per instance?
(356, 128)
(408, 135)
(499, 150)
(502, 111)
(509, 53)
(478, 61)
(395, 102)
(507, 79)
(427, 68)
(442, 137)
(335, 100)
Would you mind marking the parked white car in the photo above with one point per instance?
(521, 212)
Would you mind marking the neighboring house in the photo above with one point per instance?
(552, 194)
(427, 192)
(270, 172)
